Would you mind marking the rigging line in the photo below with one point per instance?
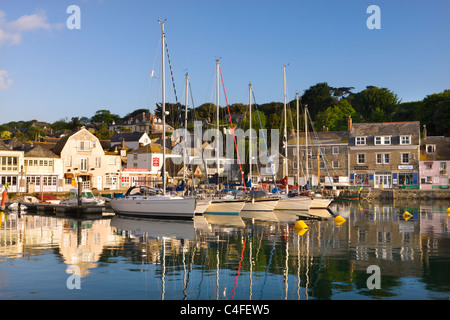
(265, 141)
(232, 128)
(239, 269)
(170, 68)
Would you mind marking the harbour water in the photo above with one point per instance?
(249, 257)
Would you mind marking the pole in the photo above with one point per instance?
(298, 143)
(163, 107)
(285, 132)
(250, 135)
(306, 143)
(217, 119)
(185, 130)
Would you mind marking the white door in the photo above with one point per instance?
(384, 180)
(99, 183)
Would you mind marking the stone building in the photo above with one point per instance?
(384, 155)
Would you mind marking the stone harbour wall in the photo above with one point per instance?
(406, 194)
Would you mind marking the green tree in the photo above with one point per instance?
(318, 98)
(375, 104)
(104, 116)
(335, 118)
(5, 135)
(429, 107)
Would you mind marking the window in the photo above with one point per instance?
(335, 150)
(335, 164)
(98, 162)
(360, 141)
(85, 145)
(68, 161)
(405, 139)
(405, 157)
(361, 158)
(382, 140)
(431, 148)
(428, 165)
(379, 158)
(386, 157)
(294, 165)
(9, 163)
(83, 164)
(135, 156)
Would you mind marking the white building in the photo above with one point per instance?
(83, 157)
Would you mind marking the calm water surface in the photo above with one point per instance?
(249, 257)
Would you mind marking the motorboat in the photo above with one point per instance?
(87, 198)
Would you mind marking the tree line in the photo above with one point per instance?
(329, 108)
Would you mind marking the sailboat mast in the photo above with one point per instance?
(163, 85)
(298, 142)
(306, 143)
(285, 129)
(217, 119)
(185, 128)
(250, 134)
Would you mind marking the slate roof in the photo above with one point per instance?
(393, 129)
(442, 148)
(127, 136)
(39, 152)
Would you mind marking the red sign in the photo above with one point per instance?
(155, 161)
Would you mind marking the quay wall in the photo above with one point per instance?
(406, 194)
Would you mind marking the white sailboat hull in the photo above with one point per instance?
(201, 206)
(294, 203)
(260, 205)
(155, 206)
(320, 203)
(225, 207)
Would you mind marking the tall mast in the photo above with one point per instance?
(250, 135)
(185, 129)
(285, 129)
(306, 142)
(298, 142)
(163, 105)
(217, 119)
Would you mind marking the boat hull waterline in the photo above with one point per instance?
(155, 206)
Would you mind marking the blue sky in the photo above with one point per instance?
(48, 72)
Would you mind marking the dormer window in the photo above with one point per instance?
(359, 141)
(405, 139)
(382, 140)
(431, 148)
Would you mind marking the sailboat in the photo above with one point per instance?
(257, 200)
(137, 201)
(288, 202)
(222, 205)
(318, 202)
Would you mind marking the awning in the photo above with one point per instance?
(69, 175)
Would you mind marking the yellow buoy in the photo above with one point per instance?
(448, 211)
(339, 220)
(407, 215)
(301, 227)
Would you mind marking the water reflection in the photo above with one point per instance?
(250, 256)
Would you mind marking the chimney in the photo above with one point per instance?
(424, 130)
(349, 123)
